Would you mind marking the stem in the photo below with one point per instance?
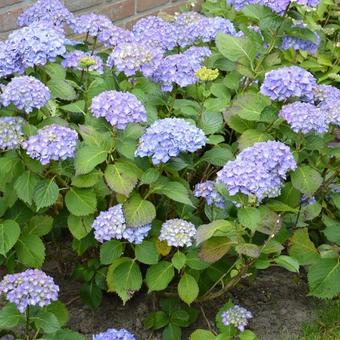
(94, 46)
(27, 324)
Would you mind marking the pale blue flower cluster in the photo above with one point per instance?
(52, 143)
(11, 134)
(134, 57)
(167, 138)
(180, 69)
(236, 316)
(29, 288)
(304, 117)
(278, 6)
(8, 65)
(111, 224)
(177, 233)
(91, 24)
(155, 32)
(118, 108)
(34, 45)
(258, 170)
(208, 191)
(114, 334)
(288, 82)
(309, 3)
(73, 60)
(25, 93)
(52, 11)
(114, 36)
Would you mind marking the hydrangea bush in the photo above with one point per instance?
(180, 156)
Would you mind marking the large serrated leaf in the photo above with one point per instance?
(9, 234)
(45, 193)
(24, 186)
(88, 157)
(30, 250)
(215, 248)
(81, 202)
(128, 276)
(188, 289)
(159, 276)
(306, 180)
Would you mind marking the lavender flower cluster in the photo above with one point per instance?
(288, 82)
(167, 138)
(118, 108)
(236, 316)
(114, 334)
(91, 24)
(114, 36)
(208, 191)
(26, 93)
(111, 224)
(52, 143)
(52, 11)
(31, 46)
(134, 57)
(301, 44)
(74, 60)
(29, 288)
(177, 233)
(258, 170)
(180, 69)
(11, 134)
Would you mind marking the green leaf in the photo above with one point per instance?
(156, 320)
(216, 104)
(205, 231)
(81, 202)
(248, 249)
(45, 194)
(158, 276)
(324, 278)
(88, 157)
(202, 334)
(128, 276)
(60, 311)
(175, 191)
(46, 321)
(55, 71)
(150, 176)
(120, 178)
(172, 332)
(110, 251)
(40, 225)
(287, 262)
(332, 231)
(218, 156)
(235, 48)
(24, 186)
(61, 89)
(306, 180)
(250, 137)
(211, 122)
(138, 211)
(249, 217)
(87, 181)
(215, 248)
(180, 318)
(178, 260)
(302, 248)
(249, 106)
(64, 334)
(91, 294)
(79, 226)
(78, 107)
(248, 335)
(146, 252)
(10, 317)
(188, 289)
(30, 250)
(9, 234)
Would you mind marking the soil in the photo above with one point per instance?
(277, 298)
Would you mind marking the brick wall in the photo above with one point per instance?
(122, 12)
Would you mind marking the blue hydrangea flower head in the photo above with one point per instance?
(305, 117)
(155, 32)
(134, 57)
(8, 63)
(288, 82)
(309, 3)
(11, 134)
(236, 316)
(73, 60)
(111, 224)
(278, 6)
(26, 93)
(167, 138)
(258, 171)
(177, 233)
(52, 143)
(36, 44)
(114, 36)
(29, 288)
(118, 108)
(301, 44)
(91, 24)
(208, 191)
(52, 11)
(114, 334)
(180, 69)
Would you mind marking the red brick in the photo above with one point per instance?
(76, 5)
(119, 10)
(145, 5)
(4, 3)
